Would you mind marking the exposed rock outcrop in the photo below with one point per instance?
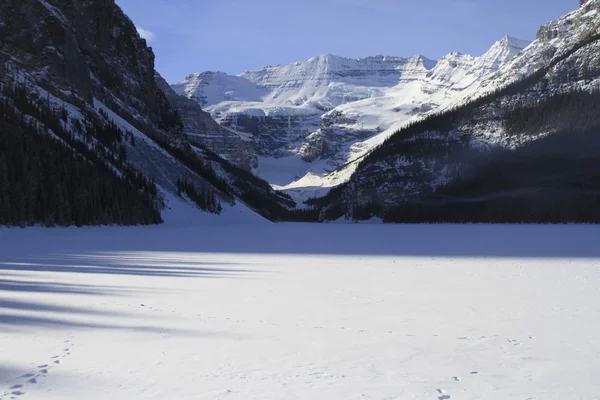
(202, 130)
(90, 49)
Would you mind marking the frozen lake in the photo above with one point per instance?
(263, 311)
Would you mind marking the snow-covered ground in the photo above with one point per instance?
(266, 311)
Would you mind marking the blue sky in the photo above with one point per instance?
(237, 35)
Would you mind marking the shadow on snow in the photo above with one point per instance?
(23, 275)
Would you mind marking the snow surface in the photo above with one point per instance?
(214, 87)
(180, 213)
(300, 312)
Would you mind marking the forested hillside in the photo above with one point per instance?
(87, 135)
(49, 177)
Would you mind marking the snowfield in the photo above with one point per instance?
(264, 311)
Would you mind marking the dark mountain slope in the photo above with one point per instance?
(88, 82)
(423, 160)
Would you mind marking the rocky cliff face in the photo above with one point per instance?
(85, 60)
(202, 130)
(90, 49)
(327, 81)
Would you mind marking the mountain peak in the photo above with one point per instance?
(514, 42)
(428, 63)
(203, 75)
(504, 50)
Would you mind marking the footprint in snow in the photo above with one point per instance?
(42, 370)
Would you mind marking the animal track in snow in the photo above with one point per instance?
(476, 338)
(445, 396)
(265, 322)
(18, 389)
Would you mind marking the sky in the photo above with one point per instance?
(238, 35)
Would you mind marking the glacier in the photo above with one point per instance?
(309, 118)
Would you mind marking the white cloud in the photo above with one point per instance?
(149, 36)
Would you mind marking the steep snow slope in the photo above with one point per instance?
(330, 110)
(210, 88)
(181, 213)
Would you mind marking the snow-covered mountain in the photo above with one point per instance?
(210, 88)
(79, 76)
(522, 146)
(552, 40)
(308, 118)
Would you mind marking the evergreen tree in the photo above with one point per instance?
(44, 180)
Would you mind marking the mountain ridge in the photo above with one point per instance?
(457, 165)
(326, 111)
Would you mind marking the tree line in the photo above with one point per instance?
(48, 176)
